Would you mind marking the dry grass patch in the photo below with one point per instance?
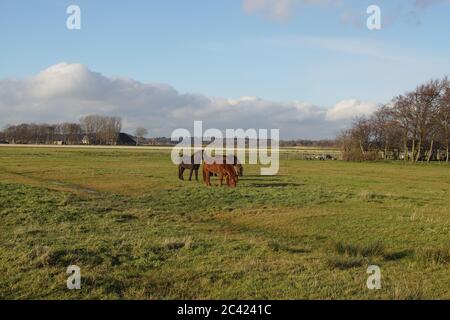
(344, 262)
(439, 255)
(354, 250)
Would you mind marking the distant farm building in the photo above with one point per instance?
(85, 140)
(126, 140)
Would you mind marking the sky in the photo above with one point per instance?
(307, 67)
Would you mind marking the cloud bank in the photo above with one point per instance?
(66, 92)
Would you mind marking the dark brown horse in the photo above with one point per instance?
(221, 170)
(236, 164)
(192, 164)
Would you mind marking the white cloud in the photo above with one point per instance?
(349, 109)
(66, 92)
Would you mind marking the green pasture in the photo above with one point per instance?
(137, 232)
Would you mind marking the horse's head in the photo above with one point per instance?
(232, 177)
(232, 181)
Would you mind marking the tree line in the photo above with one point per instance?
(92, 129)
(414, 126)
(324, 143)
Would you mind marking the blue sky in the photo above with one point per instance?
(318, 54)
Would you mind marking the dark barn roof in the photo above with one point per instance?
(125, 139)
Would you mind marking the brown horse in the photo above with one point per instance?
(221, 170)
(191, 165)
(233, 160)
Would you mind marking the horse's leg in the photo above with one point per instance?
(180, 172)
(220, 179)
(205, 176)
(190, 173)
(208, 179)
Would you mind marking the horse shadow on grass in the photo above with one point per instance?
(398, 255)
(275, 185)
(268, 182)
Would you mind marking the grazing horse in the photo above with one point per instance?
(191, 165)
(221, 170)
(233, 160)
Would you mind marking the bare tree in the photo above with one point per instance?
(140, 134)
(101, 130)
(362, 131)
(417, 122)
(425, 100)
(403, 118)
(443, 117)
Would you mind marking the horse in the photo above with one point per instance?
(236, 164)
(233, 160)
(190, 165)
(222, 170)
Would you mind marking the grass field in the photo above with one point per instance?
(137, 232)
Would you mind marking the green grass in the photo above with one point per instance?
(137, 232)
(372, 249)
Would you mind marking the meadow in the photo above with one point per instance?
(137, 232)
